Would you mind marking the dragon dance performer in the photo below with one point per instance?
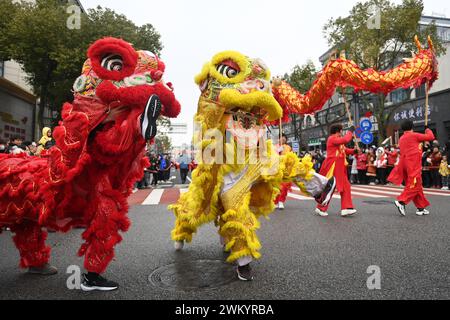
(409, 169)
(232, 188)
(336, 165)
(86, 178)
(414, 72)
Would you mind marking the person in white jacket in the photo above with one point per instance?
(381, 164)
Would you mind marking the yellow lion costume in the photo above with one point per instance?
(239, 181)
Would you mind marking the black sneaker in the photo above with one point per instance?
(325, 198)
(149, 117)
(245, 273)
(97, 283)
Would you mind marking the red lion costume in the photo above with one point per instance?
(84, 181)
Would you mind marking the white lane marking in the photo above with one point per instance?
(153, 198)
(368, 195)
(183, 191)
(400, 190)
(297, 197)
(189, 179)
(369, 190)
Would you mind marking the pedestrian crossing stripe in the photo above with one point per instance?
(152, 197)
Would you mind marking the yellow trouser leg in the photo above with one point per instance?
(238, 228)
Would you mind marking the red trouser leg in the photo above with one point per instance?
(284, 191)
(103, 233)
(30, 241)
(346, 196)
(414, 192)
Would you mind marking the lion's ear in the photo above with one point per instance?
(203, 75)
(113, 59)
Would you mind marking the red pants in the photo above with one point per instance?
(346, 198)
(414, 192)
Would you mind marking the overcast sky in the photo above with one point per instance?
(283, 33)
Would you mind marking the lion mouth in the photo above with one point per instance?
(248, 119)
(260, 105)
(247, 128)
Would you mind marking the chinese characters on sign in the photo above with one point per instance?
(417, 113)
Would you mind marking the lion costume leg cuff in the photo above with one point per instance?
(30, 241)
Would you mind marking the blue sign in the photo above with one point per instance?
(367, 137)
(296, 147)
(366, 125)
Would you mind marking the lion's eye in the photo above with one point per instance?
(227, 71)
(112, 62)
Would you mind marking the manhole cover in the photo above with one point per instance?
(378, 202)
(194, 275)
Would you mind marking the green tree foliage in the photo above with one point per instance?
(163, 144)
(381, 48)
(301, 78)
(36, 35)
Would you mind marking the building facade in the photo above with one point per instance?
(17, 111)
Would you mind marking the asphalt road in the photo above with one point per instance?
(304, 257)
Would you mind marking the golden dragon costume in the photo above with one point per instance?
(237, 101)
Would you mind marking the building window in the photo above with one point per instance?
(398, 96)
(2, 68)
(420, 91)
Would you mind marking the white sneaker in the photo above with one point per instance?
(280, 206)
(348, 212)
(445, 188)
(401, 208)
(424, 212)
(321, 213)
(179, 245)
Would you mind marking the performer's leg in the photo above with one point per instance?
(238, 229)
(409, 192)
(103, 233)
(238, 226)
(183, 231)
(420, 201)
(346, 196)
(30, 241)
(282, 197)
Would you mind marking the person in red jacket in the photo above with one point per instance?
(409, 169)
(335, 165)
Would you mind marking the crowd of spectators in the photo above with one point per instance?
(372, 166)
(161, 166)
(15, 145)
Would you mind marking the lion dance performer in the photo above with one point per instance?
(85, 179)
(230, 188)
